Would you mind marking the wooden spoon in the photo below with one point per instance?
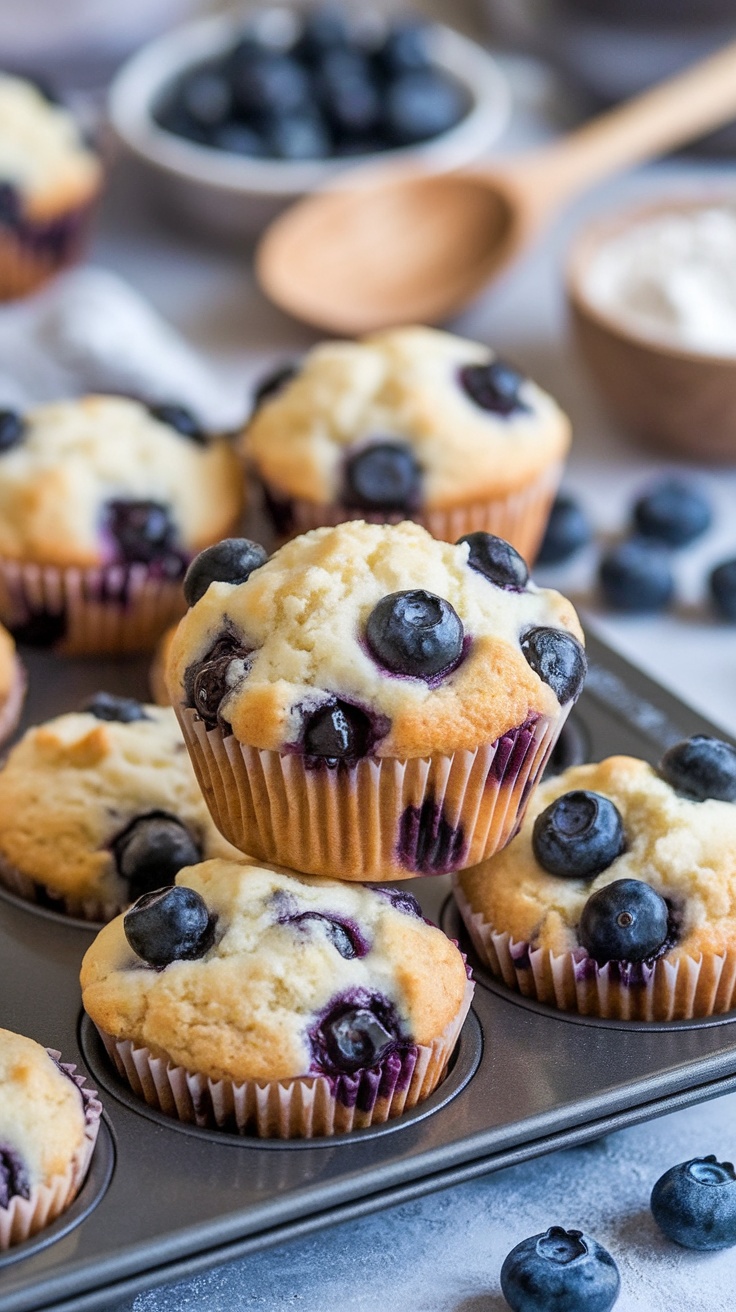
(413, 247)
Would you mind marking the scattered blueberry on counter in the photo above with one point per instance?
(332, 92)
(722, 588)
(560, 1271)
(568, 531)
(672, 513)
(694, 1204)
(636, 576)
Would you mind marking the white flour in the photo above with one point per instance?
(673, 278)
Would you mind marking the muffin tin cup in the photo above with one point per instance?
(93, 909)
(302, 1108)
(12, 707)
(377, 819)
(101, 610)
(24, 1217)
(519, 516)
(687, 988)
(31, 253)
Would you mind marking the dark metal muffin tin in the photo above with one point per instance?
(164, 1201)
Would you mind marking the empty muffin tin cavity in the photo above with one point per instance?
(572, 747)
(92, 927)
(462, 1067)
(98, 1178)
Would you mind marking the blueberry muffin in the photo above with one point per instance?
(408, 424)
(253, 998)
(48, 1127)
(103, 502)
(618, 896)
(12, 686)
(49, 181)
(371, 703)
(100, 806)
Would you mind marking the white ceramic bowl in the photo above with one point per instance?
(232, 197)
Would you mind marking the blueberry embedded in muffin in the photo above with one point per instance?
(377, 643)
(103, 503)
(100, 806)
(618, 894)
(49, 180)
(339, 987)
(411, 423)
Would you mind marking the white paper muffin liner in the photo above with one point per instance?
(302, 1108)
(377, 819)
(11, 708)
(97, 909)
(519, 516)
(686, 988)
(24, 1217)
(108, 610)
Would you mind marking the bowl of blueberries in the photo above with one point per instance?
(234, 120)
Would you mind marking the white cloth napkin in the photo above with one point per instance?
(91, 332)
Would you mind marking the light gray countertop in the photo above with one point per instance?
(443, 1253)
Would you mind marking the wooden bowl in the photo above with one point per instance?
(680, 400)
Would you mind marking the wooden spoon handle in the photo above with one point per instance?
(674, 112)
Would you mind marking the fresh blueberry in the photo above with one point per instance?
(337, 731)
(405, 48)
(624, 921)
(120, 710)
(301, 135)
(347, 93)
(694, 1204)
(401, 901)
(271, 83)
(560, 1271)
(383, 476)
(144, 532)
(636, 576)
(344, 935)
(701, 767)
(12, 428)
(170, 924)
(325, 29)
(559, 660)
(497, 561)
(568, 530)
(209, 681)
(422, 104)
(415, 633)
(206, 97)
(578, 835)
(232, 560)
(14, 1181)
(181, 419)
(273, 383)
(172, 117)
(672, 513)
(152, 850)
(239, 139)
(11, 207)
(355, 1038)
(494, 387)
(722, 588)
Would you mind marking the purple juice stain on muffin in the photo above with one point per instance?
(428, 842)
(143, 532)
(208, 682)
(14, 1182)
(494, 387)
(512, 749)
(344, 934)
(401, 901)
(355, 1032)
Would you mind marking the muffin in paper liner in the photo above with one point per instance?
(24, 1217)
(377, 819)
(520, 515)
(34, 251)
(687, 988)
(301, 1108)
(101, 610)
(96, 910)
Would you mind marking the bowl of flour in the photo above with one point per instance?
(652, 294)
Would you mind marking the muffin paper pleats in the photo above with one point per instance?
(24, 1217)
(301, 1108)
(519, 516)
(378, 819)
(687, 988)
